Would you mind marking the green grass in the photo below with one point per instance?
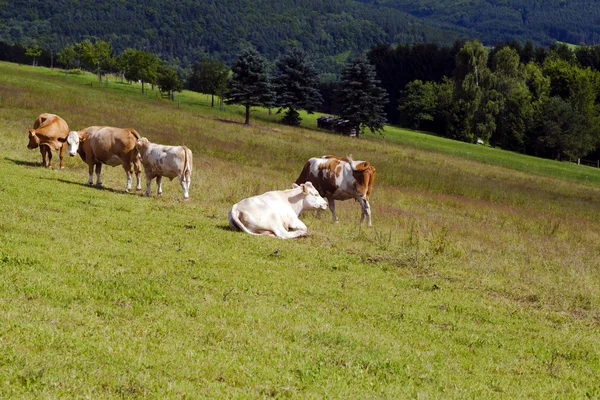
(478, 280)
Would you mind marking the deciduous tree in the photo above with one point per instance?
(210, 77)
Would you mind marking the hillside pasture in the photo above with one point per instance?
(479, 278)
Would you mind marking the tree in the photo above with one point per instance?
(249, 84)
(86, 54)
(168, 81)
(210, 77)
(103, 57)
(361, 98)
(474, 94)
(514, 105)
(295, 85)
(139, 65)
(34, 51)
(417, 103)
(66, 56)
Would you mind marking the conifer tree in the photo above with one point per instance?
(361, 98)
(249, 85)
(295, 84)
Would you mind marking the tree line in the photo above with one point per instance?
(290, 84)
(539, 101)
(535, 100)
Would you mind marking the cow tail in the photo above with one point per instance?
(188, 162)
(234, 220)
(136, 153)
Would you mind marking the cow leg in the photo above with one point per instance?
(332, 208)
(185, 185)
(128, 171)
(61, 155)
(148, 183)
(90, 173)
(138, 172)
(98, 171)
(297, 225)
(45, 150)
(285, 234)
(159, 184)
(366, 211)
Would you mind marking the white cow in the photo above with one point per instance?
(276, 213)
(169, 161)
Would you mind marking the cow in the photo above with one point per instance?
(276, 213)
(169, 161)
(49, 133)
(99, 145)
(341, 179)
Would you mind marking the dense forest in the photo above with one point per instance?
(572, 21)
(185, 31)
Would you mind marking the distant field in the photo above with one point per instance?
(479, 278)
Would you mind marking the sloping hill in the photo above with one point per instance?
(477, 280)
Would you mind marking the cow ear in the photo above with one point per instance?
(62, 140)
(295, 185)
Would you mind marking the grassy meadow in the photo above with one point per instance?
(479, 279)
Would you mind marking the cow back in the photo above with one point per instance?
(51, 130)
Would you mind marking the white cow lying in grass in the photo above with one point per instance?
(169, 161)
(276, 213)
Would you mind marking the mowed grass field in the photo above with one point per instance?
(479, 279)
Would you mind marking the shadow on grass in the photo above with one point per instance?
(94, 186)
(226, 227)
(24, 163)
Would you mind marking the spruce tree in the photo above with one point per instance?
(295, 85)
(361, 98)
(249, 85)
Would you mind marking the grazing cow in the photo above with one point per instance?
(49, 133)
(169, 161)
(341, 179)
(276, 213)
(99, 145)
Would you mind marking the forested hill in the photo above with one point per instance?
(572, 21)
(190, 29)
(187, 30)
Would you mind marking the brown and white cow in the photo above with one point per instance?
(49, 133)
(341, 179)
(99, 145)
(169, 161)
(276, 213)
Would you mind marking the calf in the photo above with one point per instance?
(99, 145)
(341, 179)
(169, 161)
(49, 133)
(276, 213)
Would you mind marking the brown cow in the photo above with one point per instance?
(99, 145)
(49, 133)
(341, 179)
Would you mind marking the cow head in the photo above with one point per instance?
(73, 142)
(312, 198)
(142, 145)
(34, 140)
